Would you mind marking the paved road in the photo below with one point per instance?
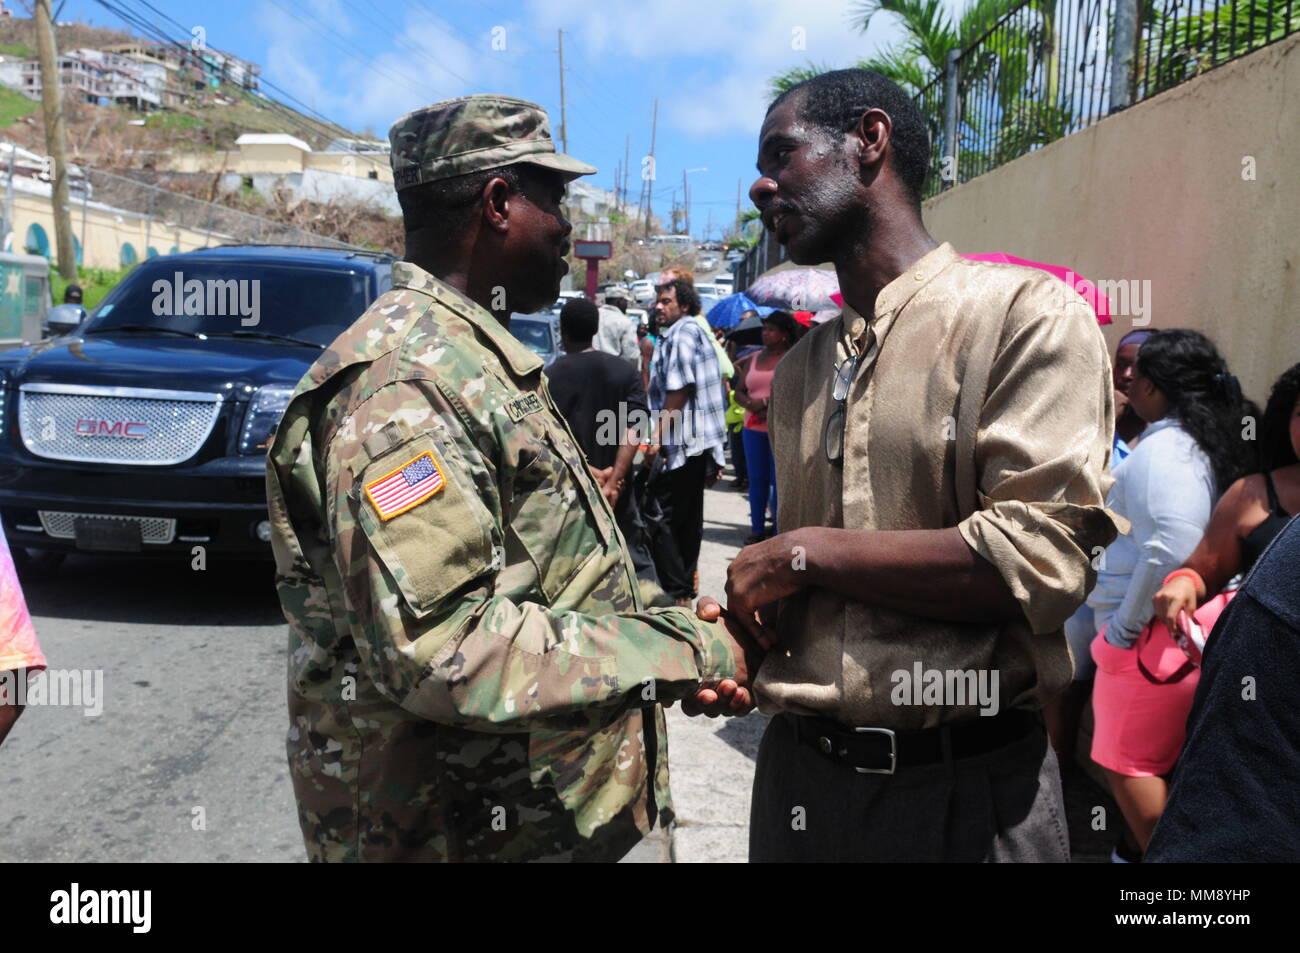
(193, 717)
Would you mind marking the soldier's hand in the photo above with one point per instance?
(601, 476)
(730, 696)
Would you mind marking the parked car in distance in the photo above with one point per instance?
(638, 316)
(145, 432)
(708, 289)
(707, 263)
(540, 333)
(726, 283)
(642, 291)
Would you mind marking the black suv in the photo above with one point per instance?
(146, 430)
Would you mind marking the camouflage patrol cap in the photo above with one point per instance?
(470, 134)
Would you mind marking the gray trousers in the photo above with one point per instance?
(1003, 806)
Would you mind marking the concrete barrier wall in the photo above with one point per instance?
(1192, 199)
(102, 233)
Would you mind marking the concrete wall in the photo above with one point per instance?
(270, 158)
(280, 160)
(102, 232)
(1194, 195)
(357, 165)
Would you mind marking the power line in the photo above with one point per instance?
(341, 44)
(300, 118)
(400, 39)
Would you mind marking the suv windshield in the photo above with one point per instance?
(308, 302)
(535, 335)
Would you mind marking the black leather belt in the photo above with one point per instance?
(883, 750)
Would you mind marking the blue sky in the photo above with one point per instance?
(365, 62)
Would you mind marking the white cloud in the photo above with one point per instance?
(747, 41)
(711, 61)
(425, 60)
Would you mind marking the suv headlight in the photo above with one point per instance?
(264, 411)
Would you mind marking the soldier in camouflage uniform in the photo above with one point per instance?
(472, 673)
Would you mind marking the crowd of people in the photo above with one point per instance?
(1206, 483)
(683, 384)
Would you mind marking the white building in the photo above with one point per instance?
(95, 76)
(590, 209)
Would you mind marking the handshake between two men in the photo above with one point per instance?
(760, 575)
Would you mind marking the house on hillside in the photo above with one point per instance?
(96, 77)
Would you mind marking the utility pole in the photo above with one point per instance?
(564, 133)
(52, 107)
(649, 197)
(9, 199)
(627, 157)
(685, 200)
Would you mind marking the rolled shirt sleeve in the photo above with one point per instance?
(451, 623)
(1041, 454)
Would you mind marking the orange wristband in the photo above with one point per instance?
(1191, 574)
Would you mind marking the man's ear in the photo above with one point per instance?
(496, 201)
(873, 131)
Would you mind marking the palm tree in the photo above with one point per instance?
(1000, 65)
(923, 53)
(1181, 47)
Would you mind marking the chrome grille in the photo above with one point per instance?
(153, 529)
(133, 425)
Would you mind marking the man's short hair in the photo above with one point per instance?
(686, 296)
(834, 101)
(448, 203)
(579, 319)
(617, 301)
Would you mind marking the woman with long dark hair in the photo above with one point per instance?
(1196, 444)
(1249, 515)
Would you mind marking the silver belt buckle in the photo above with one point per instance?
(893, 752)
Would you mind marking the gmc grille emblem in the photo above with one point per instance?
(92, 427)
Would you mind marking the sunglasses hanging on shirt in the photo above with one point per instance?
(845, 373)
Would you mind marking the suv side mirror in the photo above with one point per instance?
(64, 319)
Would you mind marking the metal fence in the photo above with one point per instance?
(178, 219)
(1051, 67)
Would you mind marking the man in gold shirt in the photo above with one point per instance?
(942, 451)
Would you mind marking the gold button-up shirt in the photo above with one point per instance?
(988, 408)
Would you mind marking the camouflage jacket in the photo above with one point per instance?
(472, 674)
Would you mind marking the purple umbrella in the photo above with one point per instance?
(799, 289)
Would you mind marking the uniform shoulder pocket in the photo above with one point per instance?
(427, 526)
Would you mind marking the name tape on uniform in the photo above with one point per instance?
(409, 485)
(521, 407)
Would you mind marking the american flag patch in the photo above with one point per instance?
(409, 485)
